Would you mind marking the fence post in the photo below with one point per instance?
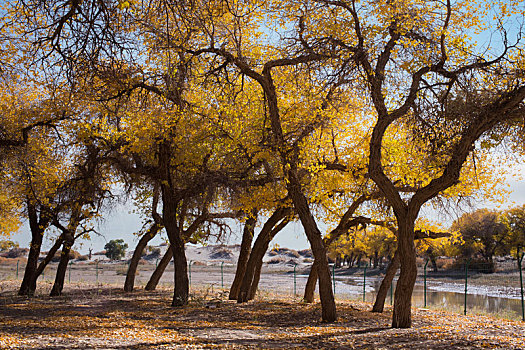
(70, 264)
(333, 277)
(520, 260)
(425, 283)
(17, 268)
(222, 274)
(364, 282)
(466, 282)
(96, 269)
(189, 272)
(294, 282)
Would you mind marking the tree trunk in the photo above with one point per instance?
(257, 253)
(62, 266)
(351, 260)
(289, 162)
(309, 290)
(432, 257)
(137, 254)
(402, 317)
(30, 269)
(259, 249)
(244, 255)
(170, 207)
(37, 226)
(314, 236)
(159, 271)
(182, 286)
(256, 278)
(50, 255)
(386, 283)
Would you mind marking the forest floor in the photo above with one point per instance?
(92, 316)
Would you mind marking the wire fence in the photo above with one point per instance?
(466, 286)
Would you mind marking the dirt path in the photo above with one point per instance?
(94, 317)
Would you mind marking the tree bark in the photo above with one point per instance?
(159, 271)
(50, 255)
(182, 286)
(376, 259)
(432, 258)
(309, 290)
(137, 254)
(244, 255)
(259, 249)
(257, 254)
(328, 311)
(62, 265)
(37, 226)
(259, 262)
(256, 278)
(30, 269)
(402, 317)
(391, 270)
(289, 162)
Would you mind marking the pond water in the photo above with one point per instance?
(502, 301)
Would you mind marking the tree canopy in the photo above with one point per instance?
(354, 113)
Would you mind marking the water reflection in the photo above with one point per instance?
(449, 300)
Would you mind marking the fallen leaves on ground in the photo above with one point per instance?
(107, 318)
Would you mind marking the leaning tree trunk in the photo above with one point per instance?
(309, 290)
(401, 317)
(37, 226)
(159, 271)
(256, 279)
(328, 310)
(62, 265)
(259, 260)
(386, 283)
(257, 254)
(270, 229)
(293, 185)
(31, 266)
(137, 254)
(244, 255)
(50, 255)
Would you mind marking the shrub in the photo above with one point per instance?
(307, 253)
(293, 253)
(221, 253)
(276, 260)
(73, 254)
(14, 253)
(154, 253)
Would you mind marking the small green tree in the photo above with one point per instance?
(116, 249)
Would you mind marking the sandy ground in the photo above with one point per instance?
(90, 316)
